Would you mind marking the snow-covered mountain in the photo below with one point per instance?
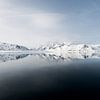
(68, 47)
(64, 48)
(69, 51)
(51, 52)
(11, 47)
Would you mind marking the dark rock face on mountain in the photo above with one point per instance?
(12, 47)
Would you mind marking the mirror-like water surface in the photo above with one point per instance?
(28, 76)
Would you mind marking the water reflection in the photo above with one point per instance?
(69, 56)
(50, 57)
(4, 57)
(33, 77)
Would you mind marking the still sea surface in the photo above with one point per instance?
(41, 76)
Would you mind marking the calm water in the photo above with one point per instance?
(28, 76)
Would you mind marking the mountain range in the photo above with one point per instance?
(71, 47)
(52, 51)
(12, 47)
(54, 48)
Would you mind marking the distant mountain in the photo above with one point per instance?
(51, 52)
(56, 48)
(62, 48)
(69, 51)
(11, 47)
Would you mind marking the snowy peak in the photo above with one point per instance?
(11, 47)
(64, 48)
(71, 51)
(51, 46)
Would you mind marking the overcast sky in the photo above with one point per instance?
(33, 22)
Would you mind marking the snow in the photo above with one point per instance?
(11, 47)
(72, 50)
(52, 51)
(64, 47)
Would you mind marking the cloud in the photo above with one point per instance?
(28, 28)
(23, 22)
(45, 20)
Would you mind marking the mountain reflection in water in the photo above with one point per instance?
(27, 76)
(49, 57)
(11, 56)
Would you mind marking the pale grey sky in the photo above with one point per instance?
(33, 22)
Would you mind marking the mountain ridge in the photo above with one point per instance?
(11, 47)
(70, 47)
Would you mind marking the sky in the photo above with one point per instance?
(35, 22)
